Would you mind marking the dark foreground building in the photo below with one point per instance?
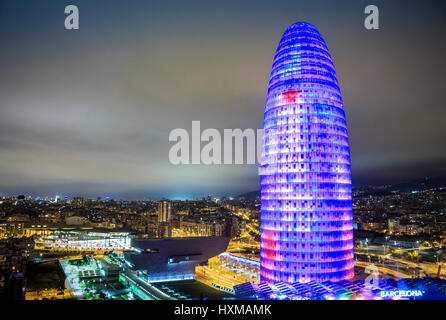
(14, 255)
(172, 259)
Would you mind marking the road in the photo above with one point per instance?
(146, 290)
(429, 269)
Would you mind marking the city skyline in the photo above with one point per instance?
(89, 112)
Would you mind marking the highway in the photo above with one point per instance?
(141, 287)
(428, 269)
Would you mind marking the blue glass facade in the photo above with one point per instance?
(306, 214)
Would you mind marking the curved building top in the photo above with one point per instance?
(302, 61)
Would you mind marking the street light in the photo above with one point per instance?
(418, 250)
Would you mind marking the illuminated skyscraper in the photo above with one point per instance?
(164, 211)
(306, 217)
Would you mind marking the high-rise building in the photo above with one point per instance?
(306, 194)
(78, 202)
(164, 211)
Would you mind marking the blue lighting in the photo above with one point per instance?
(306, 192)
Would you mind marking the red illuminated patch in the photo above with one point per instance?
(291, 96)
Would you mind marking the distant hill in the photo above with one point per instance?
(419, 184)
(250, 195)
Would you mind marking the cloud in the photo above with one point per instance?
(91, 111)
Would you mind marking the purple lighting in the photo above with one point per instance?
(306, 193)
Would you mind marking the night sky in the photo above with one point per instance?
(89, 112)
